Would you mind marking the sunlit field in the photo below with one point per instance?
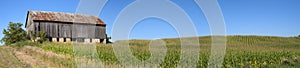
(242, 51)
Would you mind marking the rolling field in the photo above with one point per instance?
(241, 52)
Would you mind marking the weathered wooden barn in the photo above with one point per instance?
(66, 27)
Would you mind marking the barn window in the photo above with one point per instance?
(73, 39)
(65, 39)
(101, 40)
(80, 39)
(50, 38)
(39, 27)
(57, 39)
(91, 40)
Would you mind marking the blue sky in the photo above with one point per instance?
(242, 17)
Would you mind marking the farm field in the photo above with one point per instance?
(241, 52)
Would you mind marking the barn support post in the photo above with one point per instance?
(86, 40)
(104, 41)
(68, 39)
(96, 40)
(54, 40)
(61, 39)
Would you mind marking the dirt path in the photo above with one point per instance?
(13, 58)
(32, 61)
(8, 60)
(30, 57)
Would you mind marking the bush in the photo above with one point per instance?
(32, 36)
(41, 37)
(14, 33)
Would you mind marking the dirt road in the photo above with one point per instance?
(11, 58)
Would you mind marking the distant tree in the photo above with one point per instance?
(298, 35)
(41, 37)
(14, 33)
(107, 39)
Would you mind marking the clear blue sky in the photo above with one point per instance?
(242, 17)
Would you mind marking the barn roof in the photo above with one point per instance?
(63, 17)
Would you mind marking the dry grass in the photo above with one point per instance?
(8, 60)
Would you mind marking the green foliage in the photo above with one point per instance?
(107, 39)
(41, 37)
(25, 43)
(14, 33)
(32, 36)
(60, 48)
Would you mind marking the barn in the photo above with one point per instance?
(66, 27)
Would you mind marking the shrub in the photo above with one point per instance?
(14, 33)
(32, 36)
(41, 37)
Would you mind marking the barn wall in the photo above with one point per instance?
(51, 29)
(29, 27)
(64, 30)
(36, 26)
(88, 31)
(100, 32)
(67, 30)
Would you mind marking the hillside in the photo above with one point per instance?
(254, 43)
(241, 51)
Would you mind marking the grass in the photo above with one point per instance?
(49, 58)
(27, 54)
(241, 51)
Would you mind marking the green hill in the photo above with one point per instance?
(252, 43)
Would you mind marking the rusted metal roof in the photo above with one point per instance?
(63, 17)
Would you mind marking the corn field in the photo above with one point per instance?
(242, 51)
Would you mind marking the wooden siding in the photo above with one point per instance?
(30, 27)
(100, 32)
(67, 30)
(88, 31)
